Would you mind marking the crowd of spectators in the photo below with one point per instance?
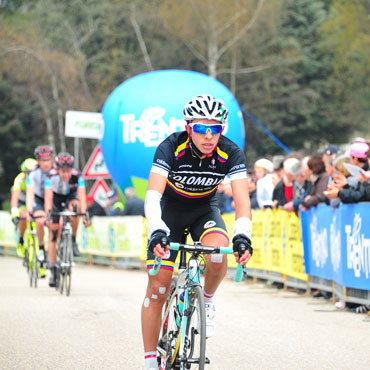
(331, 176)
(293, 183)
(133, 206)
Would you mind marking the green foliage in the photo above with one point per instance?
(301, 67)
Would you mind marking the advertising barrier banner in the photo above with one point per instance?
(337, 243)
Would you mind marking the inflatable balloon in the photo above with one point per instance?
(141, 112)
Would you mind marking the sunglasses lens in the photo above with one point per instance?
(202, 129)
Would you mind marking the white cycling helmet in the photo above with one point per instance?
(206, 107)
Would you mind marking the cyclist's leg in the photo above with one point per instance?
(151, 312)
(38, 210)
(210, 229)
(22, 222)
(74, 205)
(22, 226)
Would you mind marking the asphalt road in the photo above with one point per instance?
(98, 326)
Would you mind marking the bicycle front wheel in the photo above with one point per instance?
(195, 339)
(169, 339)
(68, 264)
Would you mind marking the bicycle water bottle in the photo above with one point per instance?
(180, 305)
(181, 302)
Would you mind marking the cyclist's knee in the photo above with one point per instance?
(217, 263)
(156, 294)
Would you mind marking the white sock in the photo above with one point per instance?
(208, 298)
(151, 360)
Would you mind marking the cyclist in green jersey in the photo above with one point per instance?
(18, 202)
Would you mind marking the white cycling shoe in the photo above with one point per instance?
(41, 256)
(210, 319)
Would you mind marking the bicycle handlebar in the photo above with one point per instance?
(203, 250)
(68, 213)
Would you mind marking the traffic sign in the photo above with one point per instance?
(99, 192)
(95, 167)
(84, 124)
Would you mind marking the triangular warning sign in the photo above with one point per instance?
(95, 167)
(99, 192)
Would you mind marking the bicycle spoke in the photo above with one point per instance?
(169, 340)
(195, 339)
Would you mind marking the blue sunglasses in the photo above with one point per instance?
(202, 128)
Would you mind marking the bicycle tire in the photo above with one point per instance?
(68, 261)
(62, 267)
(195, 333)
(169, 338)
(35, 261)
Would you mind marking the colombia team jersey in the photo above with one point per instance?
(190, 179)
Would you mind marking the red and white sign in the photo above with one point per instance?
(99, 192)
(95, 167)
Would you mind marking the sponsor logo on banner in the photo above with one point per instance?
(150, 128)
(335, 244)
(319, 241)
(358, 248)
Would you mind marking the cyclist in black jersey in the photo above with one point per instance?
(64, 188)
(187, 168)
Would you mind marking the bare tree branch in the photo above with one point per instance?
(48, 119)
(140, 39)
(247, 27)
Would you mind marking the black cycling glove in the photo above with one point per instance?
(241, 243)
(158, 237)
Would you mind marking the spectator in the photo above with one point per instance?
(329, 152)
(263, 169)
(319, 179)
(93, 207)
(114, 207)
(252, 186)
(302, 185)
(276, 177)
(134, 206)
(283, 192)
(359, 154)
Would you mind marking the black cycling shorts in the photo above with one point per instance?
(61, 202)
(38, 204)
(200, 220)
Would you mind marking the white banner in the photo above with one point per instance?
(84, 124)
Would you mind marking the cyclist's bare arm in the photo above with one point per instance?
(48, 200)
(30, 197)
(81, 194)
(156, 186)
(241, 198)
(242, 208)
(14, 200)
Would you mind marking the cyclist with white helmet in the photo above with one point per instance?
(35, 182)
(64, 188)
(18, 202)
(187, 168)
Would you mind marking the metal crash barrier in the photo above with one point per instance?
(323, 248)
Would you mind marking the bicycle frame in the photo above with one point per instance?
(65, 260)
(187, 281)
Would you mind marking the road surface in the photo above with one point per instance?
(98, 326)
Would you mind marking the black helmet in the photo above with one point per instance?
(64, 160)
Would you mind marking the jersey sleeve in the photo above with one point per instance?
(80, 181)
(237, 167)
(30, 181)
(163, 158)
(19, 182)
